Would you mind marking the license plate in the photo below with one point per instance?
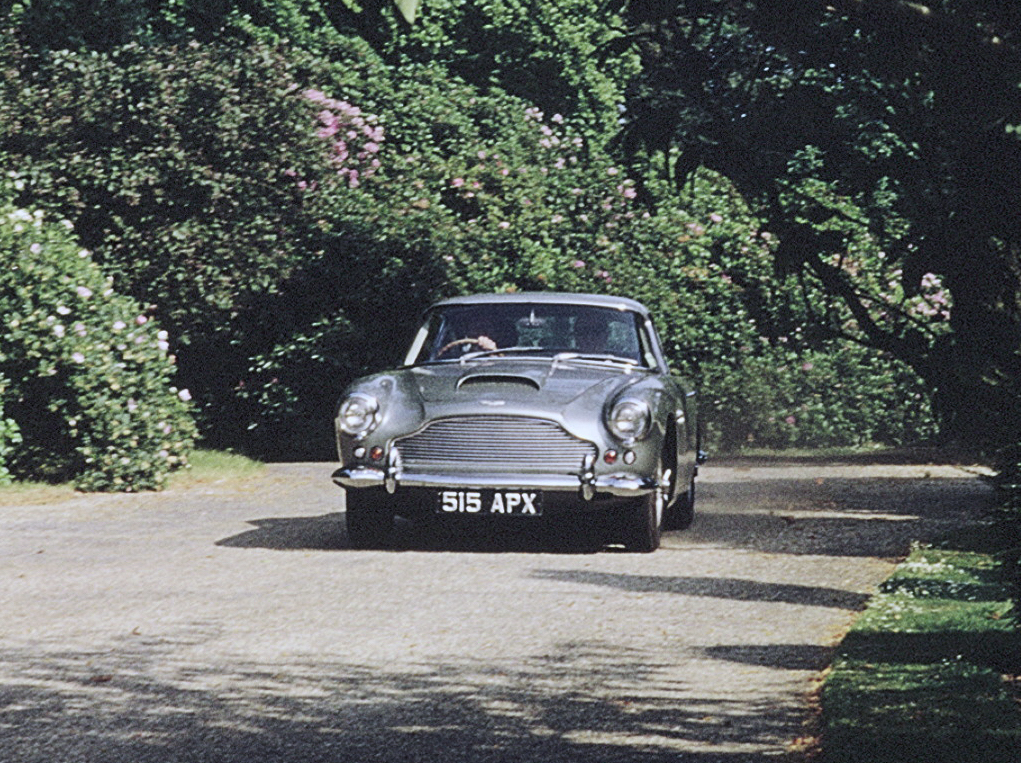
(526, 502)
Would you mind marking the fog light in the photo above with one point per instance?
(359, 452)
(610, 457)
(376, 453)
(629, 457)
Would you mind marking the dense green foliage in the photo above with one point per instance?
(324, 170)
(1007, 517)
(10, 436)
(87, 377)
(542, 53)
(880, 143)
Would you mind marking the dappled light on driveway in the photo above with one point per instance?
(232, 623)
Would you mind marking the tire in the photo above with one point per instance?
(643, 519)
(681, 514)
(370, 518)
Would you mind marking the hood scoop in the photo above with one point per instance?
(503, 381)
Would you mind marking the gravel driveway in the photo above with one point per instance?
(233, 625)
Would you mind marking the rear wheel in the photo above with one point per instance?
(370, 518)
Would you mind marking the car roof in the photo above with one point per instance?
(548, 298)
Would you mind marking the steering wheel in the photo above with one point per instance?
(484, 343)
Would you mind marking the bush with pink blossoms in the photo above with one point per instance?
(355, 138)
(88, 392)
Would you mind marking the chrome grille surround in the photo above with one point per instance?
(494, 444)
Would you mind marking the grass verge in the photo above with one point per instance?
(929, 672)
(207, 466)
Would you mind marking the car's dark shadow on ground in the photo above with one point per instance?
(320, 533)
(518, 535)
(143, 701)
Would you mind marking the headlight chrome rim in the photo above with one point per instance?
(358, 415)
(630, 420)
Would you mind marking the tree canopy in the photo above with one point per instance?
(882, 142)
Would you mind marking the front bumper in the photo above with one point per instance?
(586, 484)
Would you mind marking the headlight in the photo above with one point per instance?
(629, 420)
(358, 414)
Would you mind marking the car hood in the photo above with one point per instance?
(541, 383)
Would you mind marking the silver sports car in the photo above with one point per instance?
(523, 405)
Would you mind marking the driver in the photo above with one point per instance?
(477, 335)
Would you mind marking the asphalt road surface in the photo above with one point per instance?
(228, 624)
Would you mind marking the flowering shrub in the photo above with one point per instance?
(893, 300)
(781, 397)
(10, 437)
(354, 137)
(188, 190)
(89, 378)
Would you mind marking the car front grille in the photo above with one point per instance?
(494, 443)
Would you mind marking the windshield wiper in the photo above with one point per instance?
(594, 358)
(520, 350)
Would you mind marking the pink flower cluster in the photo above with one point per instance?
(355, 137)
(935, 301)
(931, 300)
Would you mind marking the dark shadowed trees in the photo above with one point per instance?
(882, 141)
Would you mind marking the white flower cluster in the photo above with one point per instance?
(20, 219)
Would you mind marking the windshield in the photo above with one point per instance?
(531, 330)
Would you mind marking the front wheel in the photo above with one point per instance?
(682, 513)
(642, 523)
(369, 517)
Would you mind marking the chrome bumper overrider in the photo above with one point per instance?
(620, 485)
